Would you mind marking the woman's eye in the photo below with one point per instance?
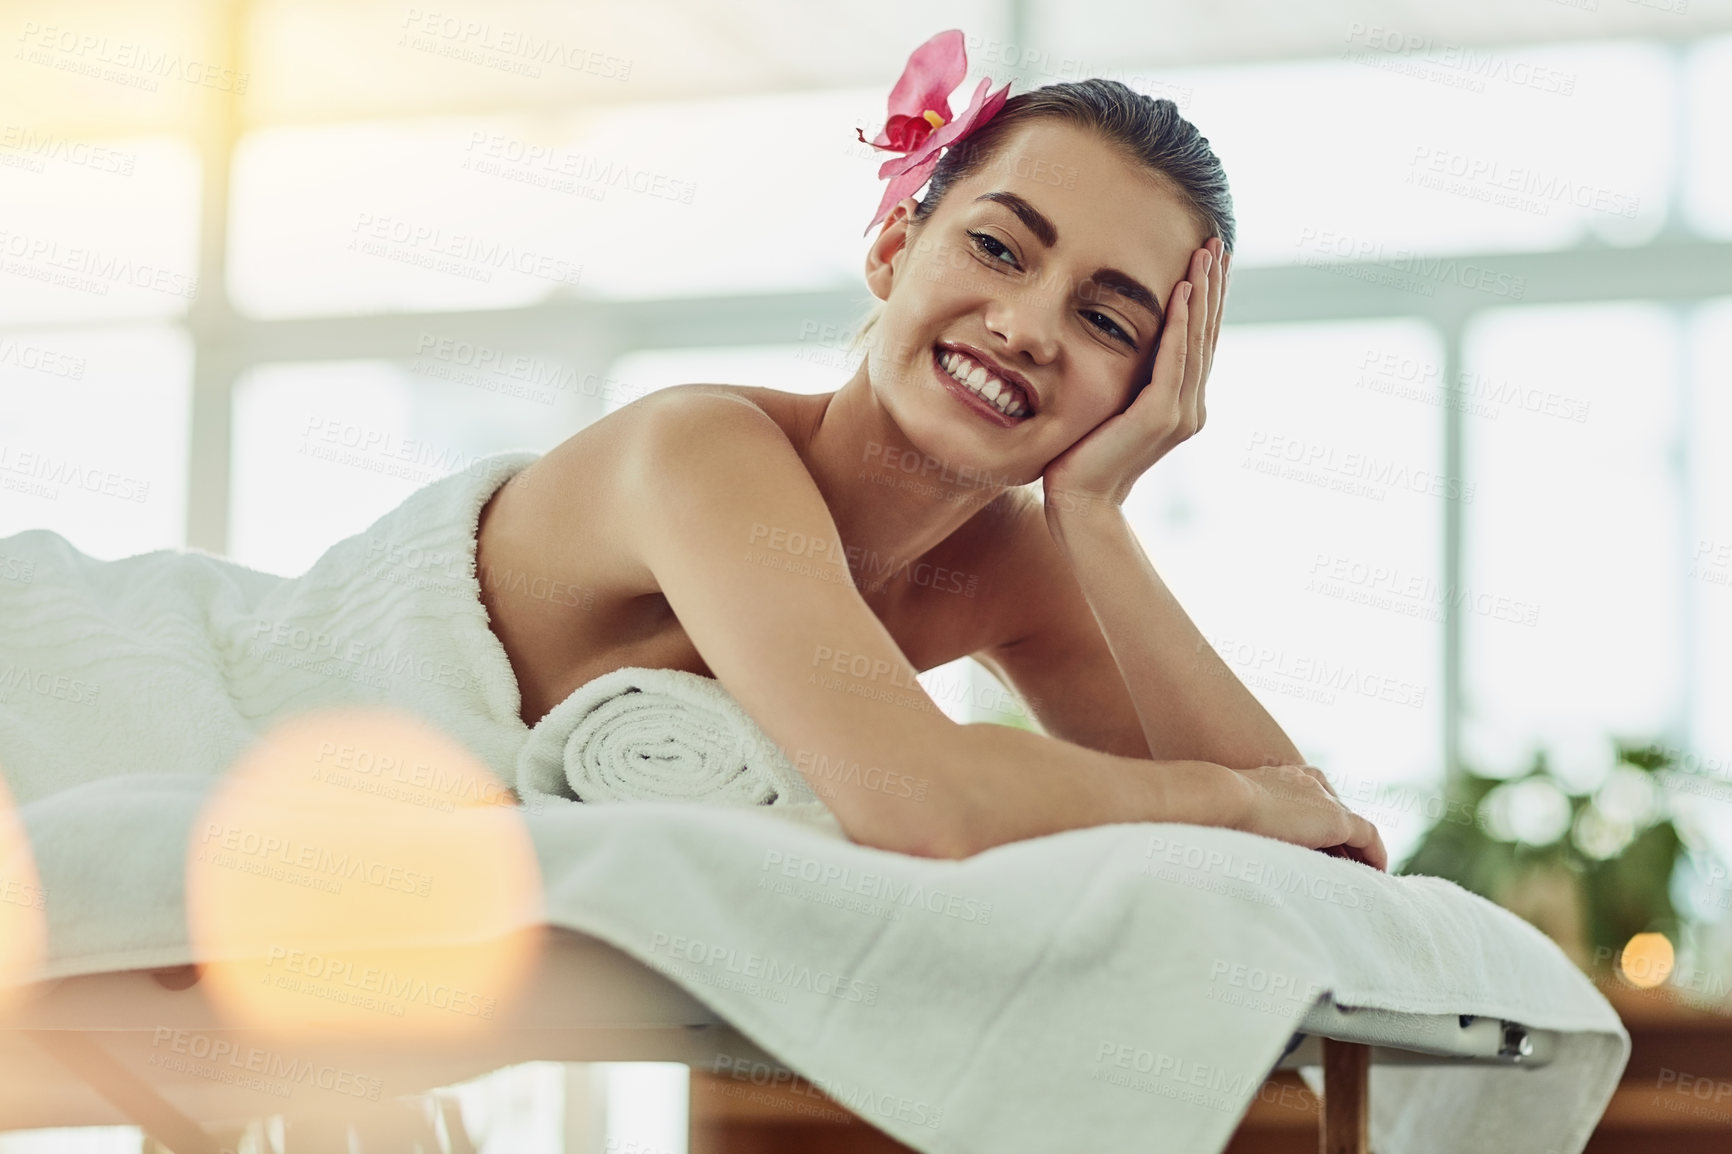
(1111, 329)
(992, 246)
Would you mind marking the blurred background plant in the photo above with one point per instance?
(1607, 868)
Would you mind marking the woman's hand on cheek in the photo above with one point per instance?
(1102, 466)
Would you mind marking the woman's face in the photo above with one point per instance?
(1054, 261)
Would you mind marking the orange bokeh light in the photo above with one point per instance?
(1646, 960)
(23, 924)
(360, 873)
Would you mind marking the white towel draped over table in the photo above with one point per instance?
(1118, 988)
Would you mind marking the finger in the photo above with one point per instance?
(1218, 301)
(1217, 305)
(1174, 351)
(1321, 780)
(1366, 840)
(1202, 265)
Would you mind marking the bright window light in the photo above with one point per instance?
(93, 436)
(1708, 159)
(1337, 157)
(83, 1140)
(1300, 530)
(647, 1107)
(1575, 521)
(95, 229)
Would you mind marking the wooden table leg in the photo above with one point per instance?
(1346, 1101)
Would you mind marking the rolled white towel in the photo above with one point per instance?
(641, 734)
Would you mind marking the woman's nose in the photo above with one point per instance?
(1027, 322)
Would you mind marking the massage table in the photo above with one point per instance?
(365, 710)
(115, 1048)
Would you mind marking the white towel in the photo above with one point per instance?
(174, 662)
(1116, 988)
(1098, 989)
(639, 734)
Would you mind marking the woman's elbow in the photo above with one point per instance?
(925, 824)
(927, 838)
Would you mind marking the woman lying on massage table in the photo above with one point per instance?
(783, 544)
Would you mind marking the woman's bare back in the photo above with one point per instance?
(568, 604)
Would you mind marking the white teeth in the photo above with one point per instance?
(983, 384)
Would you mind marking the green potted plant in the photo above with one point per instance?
(1589, 868)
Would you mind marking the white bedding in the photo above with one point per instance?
(1124, 987)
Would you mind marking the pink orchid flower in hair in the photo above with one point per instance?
(920, 124)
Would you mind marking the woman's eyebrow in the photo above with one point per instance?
(1127, 286)
(1031, 216)
(1109, 279)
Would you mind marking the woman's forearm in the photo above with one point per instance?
(1190, 704)
(992, 784)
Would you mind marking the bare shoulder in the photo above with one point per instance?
(563, 511)
(590, 461)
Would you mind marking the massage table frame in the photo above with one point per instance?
(584, 1001)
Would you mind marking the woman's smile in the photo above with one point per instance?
(971, 384)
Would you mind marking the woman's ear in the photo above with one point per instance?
(892, 240)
